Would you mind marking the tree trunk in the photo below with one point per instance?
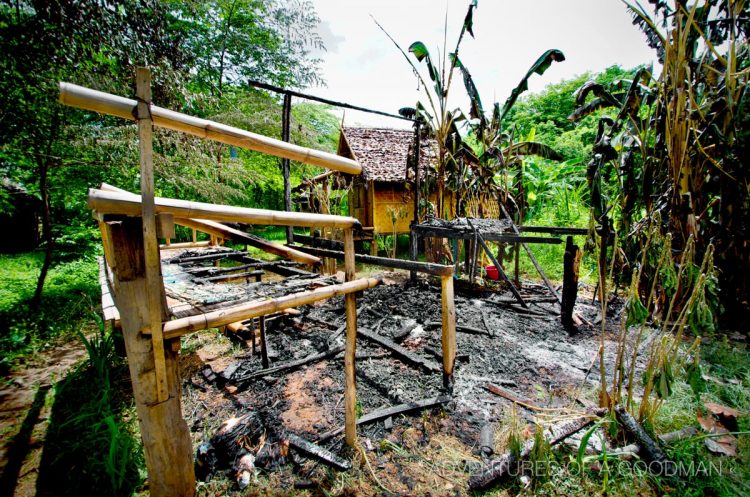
(46, 232)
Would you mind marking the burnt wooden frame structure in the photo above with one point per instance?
(131, 226)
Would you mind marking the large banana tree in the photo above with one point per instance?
(495, 150)
(440, 119)
(682, 153)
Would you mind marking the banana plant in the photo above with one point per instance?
(441, 120)
(495, 150)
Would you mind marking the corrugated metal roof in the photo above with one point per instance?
(382, 152)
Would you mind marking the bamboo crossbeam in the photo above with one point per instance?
(105, 202)
(106, 103)
(221, 317)
(185, 245)
(420, 267)
(223, 231)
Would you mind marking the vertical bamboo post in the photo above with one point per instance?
(150, 242)
(351, 343)
(263, 343)
(286, 121)
(413, 238)
(449, 330)
(166, 439)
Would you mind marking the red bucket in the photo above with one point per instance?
(492, 272)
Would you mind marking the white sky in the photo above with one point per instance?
(362, 67)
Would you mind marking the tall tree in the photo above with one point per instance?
(44, 42)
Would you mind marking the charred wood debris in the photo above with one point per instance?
(398, 372)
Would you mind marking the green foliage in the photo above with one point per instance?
(69, 292)
(92, 444)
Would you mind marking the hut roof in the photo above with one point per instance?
(382, 152)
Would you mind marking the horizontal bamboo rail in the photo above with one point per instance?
(249, 310)
(420, 267)
(128, 204)
(223, 231)
(184, 245)
(106, 103)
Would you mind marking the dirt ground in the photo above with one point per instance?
(25, 405)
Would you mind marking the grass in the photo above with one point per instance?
(70, 292)
(92, 446)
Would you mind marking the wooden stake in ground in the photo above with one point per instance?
(350, 401)
(571, 264)
(449, 330)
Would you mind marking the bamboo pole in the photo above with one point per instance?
(449, 329)
(249, 310)
(127, 204)
(218, 229)
(150, 243)
(184, 245)
(350, 401)
(106, 103)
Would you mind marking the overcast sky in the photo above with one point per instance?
(362, 67)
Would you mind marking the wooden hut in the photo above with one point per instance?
(383, 191)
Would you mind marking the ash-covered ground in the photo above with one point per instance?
(527, 351)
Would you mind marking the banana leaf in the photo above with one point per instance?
(539, 67)
(469, 19)
(634, 97)
(590, 108)
(533, 148)
(420, 51)
(476, 111)
(597, 89)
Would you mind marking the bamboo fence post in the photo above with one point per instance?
(449, 330)
(150, 242)
(166, 439)
(350, 419)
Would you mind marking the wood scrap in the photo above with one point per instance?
(390, 412)
(634, 449)
(242, 381)
(511, 396)
(317, 452)
(499, 467)
(398, 350)
(648, 445)
(460, 327)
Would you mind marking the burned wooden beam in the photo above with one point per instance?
(421, 267)
(256, 275)
(648, 445)
(243, 381)
(315, 451)
(389, 412)
(319, 242)
(460, 327)
(398, 350)
(500, 467)
(462, 234)
(571, 265)
(513, 289)
(553, 230)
